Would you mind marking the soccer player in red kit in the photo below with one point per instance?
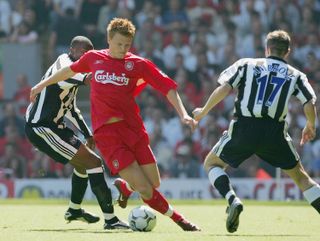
(119, 132)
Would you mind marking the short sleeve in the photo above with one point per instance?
(82, 65)
(156, 78)
(304, 91)
(233, 74)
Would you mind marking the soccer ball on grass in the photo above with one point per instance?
(142, 218)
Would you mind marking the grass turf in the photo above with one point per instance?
(33, 220)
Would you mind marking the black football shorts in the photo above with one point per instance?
(266, 138)
(60, 144)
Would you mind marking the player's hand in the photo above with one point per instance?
(308, 133)
(198, 114)
(187, 120)
(90, 143)
(34, 92)
(88, 79)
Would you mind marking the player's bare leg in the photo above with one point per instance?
(220, 180)
(310, 189)
(151, 172)
(86, 158)
(135, 176)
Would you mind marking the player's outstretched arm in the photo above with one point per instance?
(217, 95)
(174, 98)
(60, 75)
(309, 131)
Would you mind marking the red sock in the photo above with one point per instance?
(158, 202)
(124, 189)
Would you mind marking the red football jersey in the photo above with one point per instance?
(116, 82)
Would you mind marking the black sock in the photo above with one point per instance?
(79, 187)
(316, 204)
(102, 191)
(112, 220)
(222, 184)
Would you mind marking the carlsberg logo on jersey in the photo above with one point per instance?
(106, 78)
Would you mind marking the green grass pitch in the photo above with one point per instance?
(42, 220)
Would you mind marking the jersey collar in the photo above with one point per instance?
(276, 58)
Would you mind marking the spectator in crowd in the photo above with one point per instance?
(60, 7)
(11, 117)
(66, 27)
(173, 48)
(148, 51)
(106, 13)
(5, 18)
(203, 9)
(89, 12)
(189, 140)
(253, 40)
(185, 165)
(149, 11)
(42, 10)
(42, 166)
(149, 32)
(24, 34)
(310, 46)
(21, 95)
(175, 18)
(161, 149)
(18, 12)
(11, 135)
(250, 10)
(12, 163)
(289, 10)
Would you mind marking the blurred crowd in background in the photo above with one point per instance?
(190, 40)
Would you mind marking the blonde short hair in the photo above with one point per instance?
(279, 42)
(121, 25)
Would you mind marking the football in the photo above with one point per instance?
(142, 219)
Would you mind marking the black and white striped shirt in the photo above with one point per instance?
(58, 100)
(265, 86)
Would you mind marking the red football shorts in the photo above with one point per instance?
(120, 146)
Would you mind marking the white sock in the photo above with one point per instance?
(95, 170)
(74, 205)
(312, 193)
(108, 216)
(214, 173)
(229, 194)
(169, 213)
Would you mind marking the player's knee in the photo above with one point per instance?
(145, 190)
(156, 184)
(93, 161)
(208, 162)
(81, 170)
(212, 160)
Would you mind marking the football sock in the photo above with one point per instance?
(108, 216)
(313, 196)
(112, 220)
(79, 183)
(160, 204)
(125, 188)
(101, 190)
(220, 180)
